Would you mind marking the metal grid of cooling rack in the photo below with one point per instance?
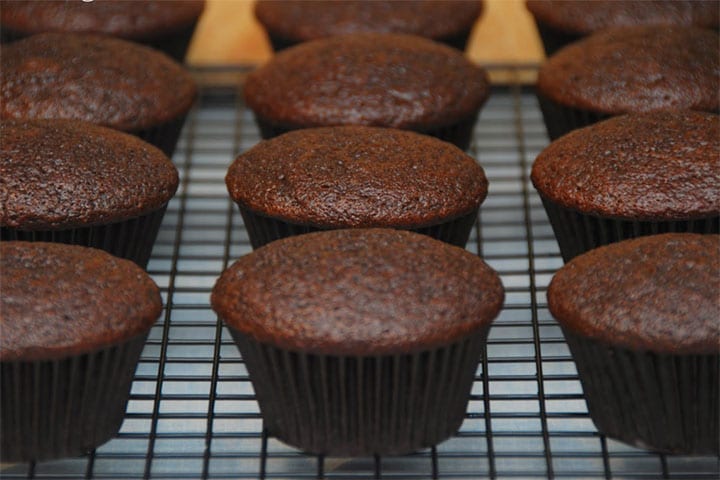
(192, 412)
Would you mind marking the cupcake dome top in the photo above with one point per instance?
(131, 20)
(657, 293)
(66, 173)
(89, 77)
(374, 79)
(636, 69)
(358, 292)
(61, 300)
(356, 176)
(312, 19)
(648, 166)
(583, 17)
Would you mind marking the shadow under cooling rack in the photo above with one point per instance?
(193, 414)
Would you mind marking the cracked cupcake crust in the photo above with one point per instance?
(358, 292)
(636, 69)
(389, 80)
(79, 76)
(657, 293)
(60, 300)
(352, 176)
(652, 166)
(309, 20)
(58, 174)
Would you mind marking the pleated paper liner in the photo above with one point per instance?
(661, 402)
(577, 232)
(132, 239)
(458, 41)
(263, 229)
(560, 119)
(552, 39)
(65, 407)
(458, 133)
(164, 136)
(174, 44)
(358, 406)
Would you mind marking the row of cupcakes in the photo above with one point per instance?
(75, 319)
(287, 423)
(313, 172)
(634, 175)
(74, 197)
(164, 25)
(640, 315)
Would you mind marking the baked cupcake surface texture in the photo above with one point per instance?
(446, 21)
(561, 22)
(74, 321)
(166, 25)
(354, 176)
(632, 69)
(641, 319)
(102, 80)
(385, 80)
(632, 175)
(75, 182)
(360, 341)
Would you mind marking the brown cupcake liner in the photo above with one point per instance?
(577, 232)
(263, 229)
(561, 119)
(164, 136)
(175, 44)
(458, 41)
(661, 402)
(132, 239)
(552, 39)
(459, 133)
(357, 406)
(65, 407)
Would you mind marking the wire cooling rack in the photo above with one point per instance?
(192, 413)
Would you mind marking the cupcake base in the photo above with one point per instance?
(357, 406)
(577, 233)
(552, 39)
(175, 44)
(458, 41)
(65, 407)
(560, 119)
(666, 403)
(459, 133)
(132, 239)
(164, 136)
(263, 229)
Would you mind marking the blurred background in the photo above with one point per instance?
(228, 34)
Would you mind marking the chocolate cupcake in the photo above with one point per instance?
(641, 319)
(383, 80)
(74, 321)
(74, 182)
(633, 69)
(79, 76)
(360, 341)
(290, 23)
(166, 25)
(630, 176)
(561, 22)
(350, 177)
